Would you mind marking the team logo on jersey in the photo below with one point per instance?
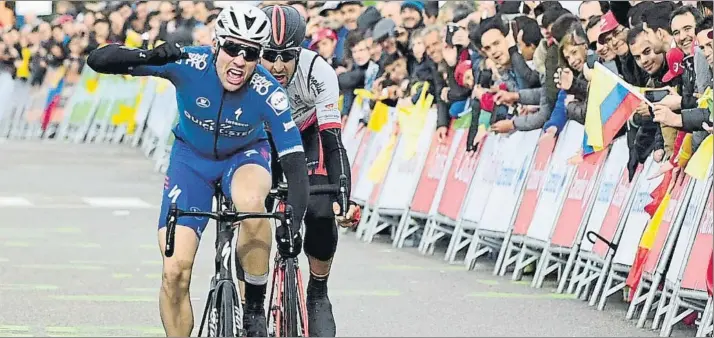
(250, 153)
(203, 102)
(289, 125)
(317, 86)
(238, 113)
(278, 101)
(196, 60)
(260, 84)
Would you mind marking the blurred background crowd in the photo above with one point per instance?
(521, 65)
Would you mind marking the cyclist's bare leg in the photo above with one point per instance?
(319, 268)
(250, 186)
(174, 298)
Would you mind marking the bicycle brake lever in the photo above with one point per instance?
(343, 200)
(288, 222)
(171, 220)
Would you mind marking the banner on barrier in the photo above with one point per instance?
(534, 182)
(690, 226)
(458, 179)
(638, 217)
(484, 177)
(695, 274)
(675, 202)
(360, 157)
(510, 176)
(404, 170)
(577, 200)
(434, 169)
(616, 209)
(611, 181)
(362, 191)
(552, 194)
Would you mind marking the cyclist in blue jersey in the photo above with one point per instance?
(224, 99)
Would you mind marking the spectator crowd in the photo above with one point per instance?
(522, 65)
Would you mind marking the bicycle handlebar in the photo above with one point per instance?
(220, 216)
(339, 190)
(280, 193)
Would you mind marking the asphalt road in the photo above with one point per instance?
(79, 257)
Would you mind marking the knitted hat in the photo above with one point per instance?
(461, 69)
(413, 4)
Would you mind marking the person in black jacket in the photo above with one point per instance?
(651, 137)
(433, 42)
(359, 50)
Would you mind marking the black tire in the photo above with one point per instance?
(225, 311)
(289, 325)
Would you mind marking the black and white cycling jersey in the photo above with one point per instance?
(314, 93)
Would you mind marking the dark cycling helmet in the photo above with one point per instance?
(288, 27)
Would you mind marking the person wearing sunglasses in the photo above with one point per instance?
(225, 100)
(313, 91)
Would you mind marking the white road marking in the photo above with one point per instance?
(14, 202)
(116, 202)
(121, 204)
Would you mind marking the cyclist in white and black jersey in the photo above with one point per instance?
(313, 91)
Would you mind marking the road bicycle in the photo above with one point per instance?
(287, 308)
(223, 313)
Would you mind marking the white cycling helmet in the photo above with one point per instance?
(245, 22)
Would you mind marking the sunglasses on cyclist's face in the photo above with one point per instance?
(233, 49)
(285, 55)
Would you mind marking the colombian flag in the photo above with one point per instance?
(611, 102)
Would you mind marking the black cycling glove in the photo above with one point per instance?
(166, 53)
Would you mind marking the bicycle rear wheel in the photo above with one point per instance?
(289, 302)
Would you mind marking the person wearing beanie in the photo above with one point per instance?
(457, 108)
(412, 13)
(464, 74)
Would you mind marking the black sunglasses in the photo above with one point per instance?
(233, 49)
(286, 55)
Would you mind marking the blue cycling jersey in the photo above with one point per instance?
(217, 123)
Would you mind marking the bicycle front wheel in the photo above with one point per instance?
(226, 319)
(290, 299)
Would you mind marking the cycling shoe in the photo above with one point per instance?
(321, 321)
(255, 322)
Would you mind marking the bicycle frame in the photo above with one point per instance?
(223, 278)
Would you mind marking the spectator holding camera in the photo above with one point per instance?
(393, 84)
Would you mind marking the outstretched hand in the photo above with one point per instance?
(350, 219)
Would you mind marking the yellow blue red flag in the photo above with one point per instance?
(611, 101)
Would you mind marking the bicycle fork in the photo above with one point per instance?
(277, 297)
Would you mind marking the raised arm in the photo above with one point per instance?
(118, 59)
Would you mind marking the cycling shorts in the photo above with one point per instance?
(191, 180)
